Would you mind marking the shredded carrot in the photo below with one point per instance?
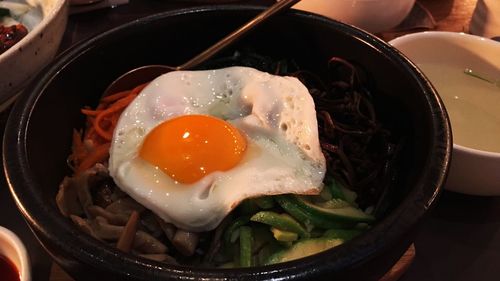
(90, 112)
(138, 89)
(79, 150)
(101, 123)
(77, 140)
(99, 155)
(115, 97)
(117, 107)
(90, 133)
(127, 236)
(120, 95)
(103, 133)
(114, 120)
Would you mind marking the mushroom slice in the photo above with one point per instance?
(143, 242)
(67, 198)
(112, 218)
(125, 206)
(168, 228)
(84, 225)
(185, 242)
(147, 244)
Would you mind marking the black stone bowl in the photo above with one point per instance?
(38, 137)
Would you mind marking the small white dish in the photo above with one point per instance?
(475, 165)
(46, 22)
(371, 15)
(13, 249)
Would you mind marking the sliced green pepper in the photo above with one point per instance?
(334, 203)
(248, 207)
(303, 210)
(343, 234)
(267, 251)
(303, 248)
(335, 190)
(264, 202)
(245, 246)
(280, 221)
(229, 235)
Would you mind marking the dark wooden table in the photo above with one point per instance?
(460, 240)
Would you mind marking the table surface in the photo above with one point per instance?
(460, 240)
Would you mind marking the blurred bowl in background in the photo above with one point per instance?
(46, 22)
(485, 19)
(473, 104)
(371, 15)
(13, 249)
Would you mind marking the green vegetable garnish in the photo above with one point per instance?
(280, 221)
(483, 77)
(245, 246)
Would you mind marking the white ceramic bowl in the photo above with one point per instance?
(12, 248)
(472, 171)
(22, 61)
(371, 15)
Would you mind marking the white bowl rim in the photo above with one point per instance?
(18, 245)
(451, 35)
(482, 153)
(439, 34)
(59, 4)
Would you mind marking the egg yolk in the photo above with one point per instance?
(191, 146)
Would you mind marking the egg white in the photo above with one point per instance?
(275, 113)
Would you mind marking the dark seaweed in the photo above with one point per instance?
(360, 151)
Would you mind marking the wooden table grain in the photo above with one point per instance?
(449, 15)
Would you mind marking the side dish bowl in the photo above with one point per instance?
(20, 63)
(476, 153)
(370, 15)
(13, 250)
(38, 138)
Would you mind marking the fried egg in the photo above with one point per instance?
(194, 144)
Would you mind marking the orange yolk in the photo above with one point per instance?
(189, 147)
